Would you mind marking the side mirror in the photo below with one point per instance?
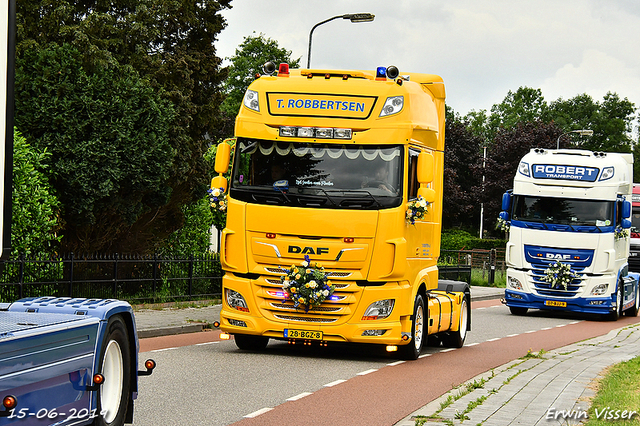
(626, 224)
(428, 194)
(626, 209)
(219, 182)
(504, 215)
(506, 201)
(425, 167)
(223, 155)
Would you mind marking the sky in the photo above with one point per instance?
(481, 48)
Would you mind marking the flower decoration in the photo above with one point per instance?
(560, 275)
(503, 225)
(218, 199)
(620, 233)
(307, 286)
(416, 209)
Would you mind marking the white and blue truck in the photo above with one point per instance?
(568, 219)
(63, 361)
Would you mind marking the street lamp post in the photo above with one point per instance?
(353, 17)
(582, 132)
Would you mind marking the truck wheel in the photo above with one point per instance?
(518, 311)
(633, 311)
(455, 339)
(248, 342)
(115, 366)
(413, 349)
(613, 316)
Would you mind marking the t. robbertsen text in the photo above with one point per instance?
(601, 414)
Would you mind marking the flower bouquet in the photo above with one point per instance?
(306, 286)
(560, 275)
(503, 225)
(416, 209)
(218, 199)
(620, 233)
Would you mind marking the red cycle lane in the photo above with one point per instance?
(386, 396)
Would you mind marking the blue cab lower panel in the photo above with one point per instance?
(594, 305)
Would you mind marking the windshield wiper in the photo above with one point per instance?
(375, 200)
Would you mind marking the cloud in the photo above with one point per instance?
(596, 74)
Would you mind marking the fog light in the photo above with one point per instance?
(600, 289)
(392, 348)
(516, 296)
(596, 302)
(225, 336)
(514, 283)
(373, 332)
(237, 323)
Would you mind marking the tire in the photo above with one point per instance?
(115, 366)
(633, 311)
(412, 350)
(455, 339)
(518, 311)
(613, 316)
(248, 342)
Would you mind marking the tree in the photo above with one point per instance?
(107, 133)
(170, 44)
(504, 156)
(462, 174)
(248, 60)
(525, 105)
(611, 121)
(35, 207)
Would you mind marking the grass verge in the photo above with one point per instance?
(617, 391)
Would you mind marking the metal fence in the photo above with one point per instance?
(142, 279)
(488, 263)
(134, 278)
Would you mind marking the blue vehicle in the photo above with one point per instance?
(568, 218)
(67, 361)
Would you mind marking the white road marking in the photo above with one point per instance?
(337, 382)
(364, 373)
(297, 397)
(393, 364)
(257, 413)
(162, 350)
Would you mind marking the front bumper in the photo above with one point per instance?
(587, 305)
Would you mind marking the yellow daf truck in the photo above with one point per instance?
(334, 208)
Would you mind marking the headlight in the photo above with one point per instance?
(392, 105)
(379, 310)
(251, 100)
(524, 168)
(607, 173)
(514, 283)
(236, 301)
(600, 289)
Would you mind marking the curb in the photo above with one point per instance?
(169, 331)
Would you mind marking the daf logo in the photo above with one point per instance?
(558, 256)
(308, 250)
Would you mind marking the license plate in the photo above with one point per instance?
(303, 334)
(555, 303)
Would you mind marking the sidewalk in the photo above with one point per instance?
(551, 390)
(164, 322)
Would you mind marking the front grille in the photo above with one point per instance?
(543, 288)
(305, 318)
(337, 309)
(321, 308)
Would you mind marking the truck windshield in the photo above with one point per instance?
(563, 211)
(317, 175)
